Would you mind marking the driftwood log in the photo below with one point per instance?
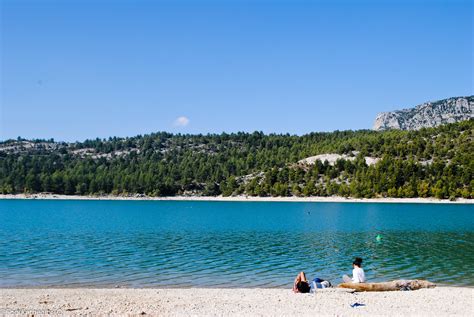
(398, 285)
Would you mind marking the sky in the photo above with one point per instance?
(74, 70)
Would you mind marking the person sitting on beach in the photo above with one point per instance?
(301, 284)
(358, 275)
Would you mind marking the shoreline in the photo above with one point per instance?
(440, 301)
(333, 199)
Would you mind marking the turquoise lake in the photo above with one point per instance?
(229, 244)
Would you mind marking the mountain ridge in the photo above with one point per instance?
(427, 115)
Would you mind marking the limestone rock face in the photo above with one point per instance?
(430, 114)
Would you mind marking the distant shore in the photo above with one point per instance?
(242, 198)
(440, 301)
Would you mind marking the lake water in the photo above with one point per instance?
(229, 244)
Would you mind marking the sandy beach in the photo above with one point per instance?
(441, 301)
(243, 198)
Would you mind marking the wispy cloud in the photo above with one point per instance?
(181, 121)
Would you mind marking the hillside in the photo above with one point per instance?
(430, 114)
(434, 162)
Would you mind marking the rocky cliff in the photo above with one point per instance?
(429, 114)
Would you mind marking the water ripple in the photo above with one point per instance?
(236, 256)
(232, 259)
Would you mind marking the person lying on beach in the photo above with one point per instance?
(301, 284)
(358, 275)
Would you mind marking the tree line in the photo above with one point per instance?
(431, 162)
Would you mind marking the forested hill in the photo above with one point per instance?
(431, 162)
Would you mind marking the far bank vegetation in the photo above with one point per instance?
(434, 162)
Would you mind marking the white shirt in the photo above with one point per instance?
(358, 275)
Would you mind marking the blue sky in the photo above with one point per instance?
(73, 70)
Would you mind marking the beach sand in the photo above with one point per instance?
(241, 198)
(440, 301)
